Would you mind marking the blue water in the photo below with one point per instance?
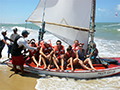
(108, 31)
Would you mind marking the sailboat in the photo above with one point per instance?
(69, 20)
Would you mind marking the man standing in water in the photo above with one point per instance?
(14, 34)
(19, 44)
(12, 37)
(3, 39)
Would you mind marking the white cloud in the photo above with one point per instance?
(118, 7)
(99, 9)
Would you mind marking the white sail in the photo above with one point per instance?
(65, 18)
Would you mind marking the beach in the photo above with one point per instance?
(11, 81)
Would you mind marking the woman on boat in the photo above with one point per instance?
(92, 52)
(75, 46)
(46, 53)
(59, 51)
(80, 58)
(34, 55)
(69, 56)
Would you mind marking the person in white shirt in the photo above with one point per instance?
(12, 37)
(19, 44)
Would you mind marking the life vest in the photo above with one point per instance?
(81, 56)
(33, 52)
(75, 48)
(59, 52)
(16, 50)
(94, 52)
(47, 50)
(72, 55)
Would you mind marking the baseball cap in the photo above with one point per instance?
(46, 41)
(3, 30)
(25, 32)
(15, 29)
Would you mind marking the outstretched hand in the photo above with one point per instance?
(38, 47)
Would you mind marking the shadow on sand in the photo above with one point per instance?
(26, 74)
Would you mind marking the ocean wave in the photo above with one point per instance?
(55, 83)
(108, 48)
(111, 25)
(20, 29)
(118, 29)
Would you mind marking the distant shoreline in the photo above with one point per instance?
(31, 23)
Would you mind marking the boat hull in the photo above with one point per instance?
(81, 74)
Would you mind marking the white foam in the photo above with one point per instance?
(111, 25)
(54, 83)
(118, 29)
(108, 48)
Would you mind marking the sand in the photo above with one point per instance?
(11, 81)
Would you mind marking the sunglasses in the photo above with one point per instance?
(58, 44)
(32, 43)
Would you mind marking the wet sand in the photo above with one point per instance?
(11, 81)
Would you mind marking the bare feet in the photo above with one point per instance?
(45, 67)
(49, 67)
(57, 69)
(72, 70)
(16, 72)
(38, 65)
(93, 69)
(68, 66)
(90, 69)
(62, 69)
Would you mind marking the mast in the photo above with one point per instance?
(93, 22)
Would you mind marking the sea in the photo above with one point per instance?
(107, 39)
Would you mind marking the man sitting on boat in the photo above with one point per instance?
(75, 46)
(69, 56)
(46, 52)
(34, 55)
(80, 58)
(19, 44)
(59, 51)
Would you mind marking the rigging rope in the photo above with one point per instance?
(42, 29)
(44, 11)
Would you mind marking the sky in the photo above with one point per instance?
(17, 11)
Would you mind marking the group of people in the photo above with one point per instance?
(48, 55)
(75, 56)
(3, 38)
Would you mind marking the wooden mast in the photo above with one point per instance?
(93, 22)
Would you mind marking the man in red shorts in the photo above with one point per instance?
(19, 44)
